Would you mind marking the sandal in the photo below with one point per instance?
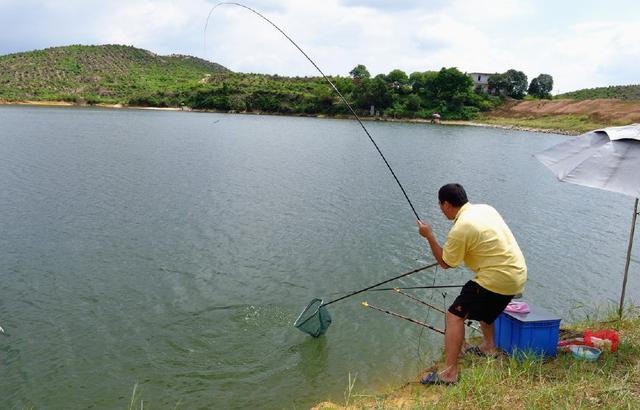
(433, 378)
(475, 350)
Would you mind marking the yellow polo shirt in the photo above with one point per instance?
(482, 239)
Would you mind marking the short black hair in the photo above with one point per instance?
(454, 194)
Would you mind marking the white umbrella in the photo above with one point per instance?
(608, 159)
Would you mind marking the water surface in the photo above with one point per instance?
(174, 250)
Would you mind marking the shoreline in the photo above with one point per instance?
(513, 127)
(559, 381)
(469, 123)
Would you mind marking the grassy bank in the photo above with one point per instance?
(572, 124)
(612, 382)
(562, 123)
(565, 115)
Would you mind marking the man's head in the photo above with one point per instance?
(451, 197)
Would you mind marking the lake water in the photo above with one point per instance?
(174, 250)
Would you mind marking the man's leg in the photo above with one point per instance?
(453, 338)
(487, 346)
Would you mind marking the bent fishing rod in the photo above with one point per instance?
(344, 100)
(420, 287)
(417, 322)
(414, 321)
(379, 283)
(429, 305)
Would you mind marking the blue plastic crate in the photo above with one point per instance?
(535, 332)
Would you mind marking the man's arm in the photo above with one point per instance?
(426, 231)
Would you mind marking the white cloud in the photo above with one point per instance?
(142, 22)
(489, 11)
(544, 36)
(583, 55)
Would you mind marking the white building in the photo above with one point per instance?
(480, 81)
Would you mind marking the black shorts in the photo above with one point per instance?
(478, 303)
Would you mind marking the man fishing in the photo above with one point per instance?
(482, 240)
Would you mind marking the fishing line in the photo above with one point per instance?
(426, 319)
(344, 100)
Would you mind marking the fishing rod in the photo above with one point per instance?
(397, 290)
(411, 287)
(468, 323)
(315, 318)
(435, 329)
(421, 287)
(380, 283)
(344, 100)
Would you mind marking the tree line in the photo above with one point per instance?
(513, 83)
(448, 92)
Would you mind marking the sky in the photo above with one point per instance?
(581, 44)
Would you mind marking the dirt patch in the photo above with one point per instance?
(45, 103)
(603, 110)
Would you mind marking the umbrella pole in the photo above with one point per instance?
(626, 267)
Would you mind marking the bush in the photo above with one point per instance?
(236, 103)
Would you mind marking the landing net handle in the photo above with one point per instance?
(315, 318)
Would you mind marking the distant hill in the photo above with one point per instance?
(129, 76)
(104, 73)
(618, 92)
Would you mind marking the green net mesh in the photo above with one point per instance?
(314, 319)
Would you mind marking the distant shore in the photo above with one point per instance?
(513, 127)
(478, 123)
(70, 104)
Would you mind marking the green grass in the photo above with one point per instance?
(612, 382)
(571, 123)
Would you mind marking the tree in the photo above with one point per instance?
(447, 84)
(418, 80)
(398, 76)
(344, 85)
(541, 86)
(512, 83)
(413, 103)
(517, 83)
(534, 88)
(373, 91)
(379, 93)
(359, 72)
(497, 84)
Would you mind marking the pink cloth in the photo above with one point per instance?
(517, 307)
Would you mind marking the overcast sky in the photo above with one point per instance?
(582, 44)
